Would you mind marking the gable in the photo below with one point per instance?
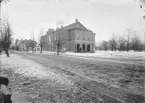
(76, 25)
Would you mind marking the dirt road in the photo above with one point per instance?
(112, 82)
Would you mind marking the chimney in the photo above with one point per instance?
(76, 20)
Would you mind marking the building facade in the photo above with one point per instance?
(26, 45)
(23, 45)
(74, 38)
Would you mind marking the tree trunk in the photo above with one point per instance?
(58, 49)
(7, 53)
(6, 48)
(127, 47)
(112, 48)
(120, 48)
(128, 43)
(41, 49)
(115, 48)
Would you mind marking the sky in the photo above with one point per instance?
(103, 17)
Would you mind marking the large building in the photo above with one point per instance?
(74, 38)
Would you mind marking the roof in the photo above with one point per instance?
(26, 41)
(76, 25)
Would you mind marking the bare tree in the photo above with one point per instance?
(0, 13)
(136, 44)
(128, 39)
(41, 40)
(99, 46)
(111, 46)
(6, 36)
(32, 42)
(121, 42)
(4, 1)
(104, 45)
(16, 44)
(59, 41)
(113, 42)
(129, 35)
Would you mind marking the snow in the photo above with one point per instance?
(30, 69)
(109, 54)
(104, 54)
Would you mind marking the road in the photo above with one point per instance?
(110, 79)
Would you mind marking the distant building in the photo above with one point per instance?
(37, 48)
(75, 37)
(27, 45)
(23, 45)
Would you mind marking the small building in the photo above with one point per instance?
(37, 48)
(23, 45)
(27, 45)
(74, 37)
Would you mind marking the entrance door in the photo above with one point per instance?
(78, 47)
(88, 47)
(83, 47)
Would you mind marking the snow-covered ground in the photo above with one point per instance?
(104, 54)
(111, 54)
(29, 68)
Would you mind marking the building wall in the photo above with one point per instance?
(84, 35)
(72, 34)
(80, 37)
(70, 38)
(72, 46)
(48, 42)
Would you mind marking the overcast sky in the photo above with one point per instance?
(103, 17)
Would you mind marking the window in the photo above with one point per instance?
(49, 38)
(78, 37)
(61, 37)
(91, 39)
(54, 38)
(88, 38)
(83, 37)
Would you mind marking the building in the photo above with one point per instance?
(27, 45)
(37, 48)
(23, 45)
(74, 38)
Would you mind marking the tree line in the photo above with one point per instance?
(129, 41)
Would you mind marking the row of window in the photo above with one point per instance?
(84, 38)
(50, 38)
